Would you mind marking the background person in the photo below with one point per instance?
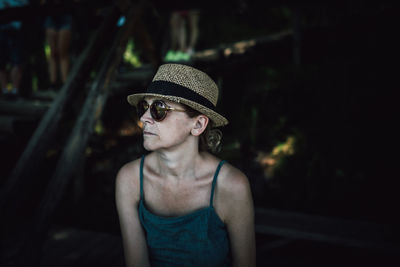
(11, 51)
(184, 33)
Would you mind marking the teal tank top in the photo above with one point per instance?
(199, 238)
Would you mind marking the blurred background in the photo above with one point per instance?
(309, 89)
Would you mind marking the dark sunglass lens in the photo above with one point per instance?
(142, 106)
(158, 111)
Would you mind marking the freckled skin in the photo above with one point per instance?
(169, 133)
(178, 181)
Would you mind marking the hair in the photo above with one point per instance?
(210, 139)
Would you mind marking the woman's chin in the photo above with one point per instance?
(148, 146)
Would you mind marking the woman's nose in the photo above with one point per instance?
(146, 117)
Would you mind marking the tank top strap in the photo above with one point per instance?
(215, 181)
(141, 177)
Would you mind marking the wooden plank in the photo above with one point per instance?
(274, 245)
(32, 11)
(8, 123)
(324, 229)
(47, 95)
(143, 73)
(74, 247)
(238, 48)
(25, 107)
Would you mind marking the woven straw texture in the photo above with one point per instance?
(189, 77)
(193, 79)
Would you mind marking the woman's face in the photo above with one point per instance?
(168, 133)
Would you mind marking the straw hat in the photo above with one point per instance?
(186, 85)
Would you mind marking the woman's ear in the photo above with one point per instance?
(200, 125)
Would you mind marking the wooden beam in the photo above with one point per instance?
(325, 229)
(75, 247)
(238, 48)
(24, 107)
(8, 123)
(32, 11)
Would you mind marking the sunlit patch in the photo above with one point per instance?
(88, 151)
(243, 46)
(131, 128)
(227, 52)
(47, 50)
(285, 148)
(130, 56)
(269, 161)
(99, 128)
(209, 54)
(74, 255)
(61, 235)
(239, 47)
(51, 153)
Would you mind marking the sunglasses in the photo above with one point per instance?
(158, 109)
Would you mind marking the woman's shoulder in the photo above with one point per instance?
(128, 177)
(233, 192)
(129, 169)
(232, 179)
(233, 184)
(228, 173)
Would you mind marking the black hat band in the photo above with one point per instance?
(173, 89)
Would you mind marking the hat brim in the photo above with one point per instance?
(217, 119)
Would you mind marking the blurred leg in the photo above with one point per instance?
(182, 34)
(4, 47)
(63, 48)
(16, 75)
(3, 79)
(194, 29)
(174, 30)
(51, 37)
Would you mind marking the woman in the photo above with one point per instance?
(180, 205)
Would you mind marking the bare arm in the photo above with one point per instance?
(240, 219)
(127, 199)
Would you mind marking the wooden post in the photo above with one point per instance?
(349, 233)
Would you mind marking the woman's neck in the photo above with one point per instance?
(178, 163)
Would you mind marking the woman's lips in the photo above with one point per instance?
(148, 133)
